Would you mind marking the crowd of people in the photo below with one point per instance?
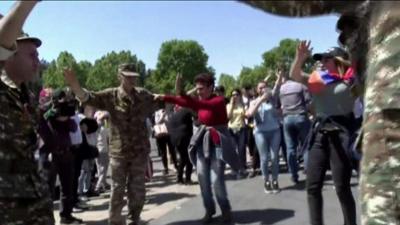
(77, 134)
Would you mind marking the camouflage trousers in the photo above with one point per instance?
(380, 169)
(26, 211)
(129, 174)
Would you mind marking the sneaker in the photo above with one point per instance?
(70, 220)
(267, 187)
(275, 187)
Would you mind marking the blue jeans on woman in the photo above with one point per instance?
(268, 143)
(296, 128)
(210, 171)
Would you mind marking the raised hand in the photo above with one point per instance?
(303, 50)
(70, 77)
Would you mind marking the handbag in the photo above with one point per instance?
(160, 130)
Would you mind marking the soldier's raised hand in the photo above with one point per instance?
(70, 77)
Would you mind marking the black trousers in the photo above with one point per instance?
(63, 165)
(78, 160)
(184, 161)
(251, 144)
(162, 143)
(328, 151)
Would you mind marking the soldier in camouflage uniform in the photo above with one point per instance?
(129, 106)
(24, 197)
(371, 32)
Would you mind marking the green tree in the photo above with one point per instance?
(283, 55)
(185, 56)
(229, 83)
(251, 76)
(104, 73)
(53, 75)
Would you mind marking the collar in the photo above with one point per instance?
(124, 95)
(7, 81)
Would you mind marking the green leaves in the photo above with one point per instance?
(185, 56)
(101, 75)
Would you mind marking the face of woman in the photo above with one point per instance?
(203, 91)
(328, 63)
(236, 96)
(261, 88)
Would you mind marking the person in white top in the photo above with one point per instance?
(103, 142)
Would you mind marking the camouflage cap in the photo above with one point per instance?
(25, 37)
(128, 69)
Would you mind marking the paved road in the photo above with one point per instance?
(172, 204)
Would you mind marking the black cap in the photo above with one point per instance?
(331, 53)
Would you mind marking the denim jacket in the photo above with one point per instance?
(201, 141)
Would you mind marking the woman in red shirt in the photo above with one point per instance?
(211, 146)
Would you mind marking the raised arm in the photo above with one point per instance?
(303, 51)
(72, 81)
(11, 24)
(254, 106)
(278, 82)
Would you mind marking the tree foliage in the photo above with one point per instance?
(229, 83)
(184, 56)
(102, 74)
(283, 55)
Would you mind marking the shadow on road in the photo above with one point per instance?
(161, 198)
(263, 217)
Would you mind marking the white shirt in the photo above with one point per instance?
(76, 137)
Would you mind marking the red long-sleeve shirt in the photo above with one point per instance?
(210, 112)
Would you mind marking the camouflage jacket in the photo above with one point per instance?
(129, 137)
(19, 177)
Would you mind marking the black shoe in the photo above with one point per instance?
(179, 181)
(70, 220)
(188, 182)
(252, 174)
(275, 187)
(295, 180)
(92, 194)
(226, 217)
(207, 218)
(267, 187)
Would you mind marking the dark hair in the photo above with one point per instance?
(220, 88)
(247, 87)
(205, 78)
(236, 90)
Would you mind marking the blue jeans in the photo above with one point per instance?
(296, 128)
(210, 171)
(240, 143)
(268, 143)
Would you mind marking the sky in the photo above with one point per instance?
(233, 34)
